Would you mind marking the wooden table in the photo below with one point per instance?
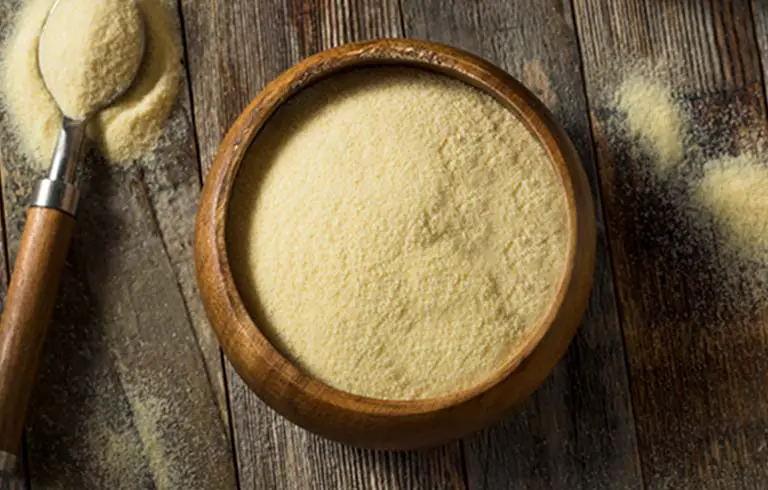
(134, 392)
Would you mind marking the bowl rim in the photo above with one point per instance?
(273, 376)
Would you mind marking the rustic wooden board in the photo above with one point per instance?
(577, 431)
(14, 483)
(131, 389)
(239, 47)
(696, 339)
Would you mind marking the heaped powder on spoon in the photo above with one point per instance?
(124, 131)
(397, 233)
(90, 52)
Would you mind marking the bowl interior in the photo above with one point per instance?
(511, 94)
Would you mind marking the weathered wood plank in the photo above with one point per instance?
(577, 431)
(760, 19)
(240, 46)
(13, 483)
(696, 343)
(127, 395)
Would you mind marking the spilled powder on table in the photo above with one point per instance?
(734, 190)
(654, 118)
(713, 200)
(121, 458)
(537, 80)
(146, 412)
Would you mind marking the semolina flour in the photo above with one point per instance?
(724, 191)
(733, 190)
(124, 131)
(654, 118)
(397, 233)
(90, 52)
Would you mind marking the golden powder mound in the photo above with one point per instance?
(654, 118)
(90, 53)
(124, 131)
(397, 233)
(734, 191)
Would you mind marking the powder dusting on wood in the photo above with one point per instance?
(653, 118)
(704, 197)
(536, 79)
(734, 190)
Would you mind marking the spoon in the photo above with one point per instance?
(37, 272)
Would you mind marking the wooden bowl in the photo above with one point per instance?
(372, 422)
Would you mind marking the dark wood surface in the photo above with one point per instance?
(663, 388)
(698, 355)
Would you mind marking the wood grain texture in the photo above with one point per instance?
(13, 483)
(276, 454)
(127, 396)
(577, 431)
(695, 328)
(760, 19)
(242, 45)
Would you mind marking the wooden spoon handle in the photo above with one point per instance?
(26, 316)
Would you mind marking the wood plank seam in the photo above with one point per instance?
(196, 139)
(753, 16)
(142, 195)
(696, 50)
(606, 232)
(402, 33)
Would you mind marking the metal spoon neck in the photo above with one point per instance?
(67, 152)
(58, 191)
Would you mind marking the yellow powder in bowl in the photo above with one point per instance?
(397, 233)
(90, 53)
(123, 132)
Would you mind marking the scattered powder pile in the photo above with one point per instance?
(653, 117)
(711, 204)
(125, 130)
(397, 233)
(90, 52)
(734, 190)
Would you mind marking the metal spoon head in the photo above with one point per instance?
(121, 90)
